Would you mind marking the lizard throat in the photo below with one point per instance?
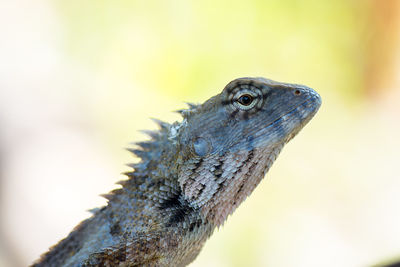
(219, 190)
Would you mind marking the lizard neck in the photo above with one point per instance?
(211, 187)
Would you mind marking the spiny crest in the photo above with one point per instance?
(162, 124)
(139, 153)
(192, 105)
(94, 210)
(152, 134)
(109, 197)
(187, 112)
(148, 150)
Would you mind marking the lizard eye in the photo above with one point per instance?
(245, 99)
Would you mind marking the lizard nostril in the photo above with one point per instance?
(297, 92)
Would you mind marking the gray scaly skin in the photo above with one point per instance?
(192, 175)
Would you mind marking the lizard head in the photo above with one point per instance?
(250, 113)
(229, 142)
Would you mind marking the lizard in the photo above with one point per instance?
(192, 175)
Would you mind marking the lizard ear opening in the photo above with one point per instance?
(201, 146)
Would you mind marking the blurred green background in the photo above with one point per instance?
(78, 79)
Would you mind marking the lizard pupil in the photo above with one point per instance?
(245, 100)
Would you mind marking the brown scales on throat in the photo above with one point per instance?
(244, 171)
